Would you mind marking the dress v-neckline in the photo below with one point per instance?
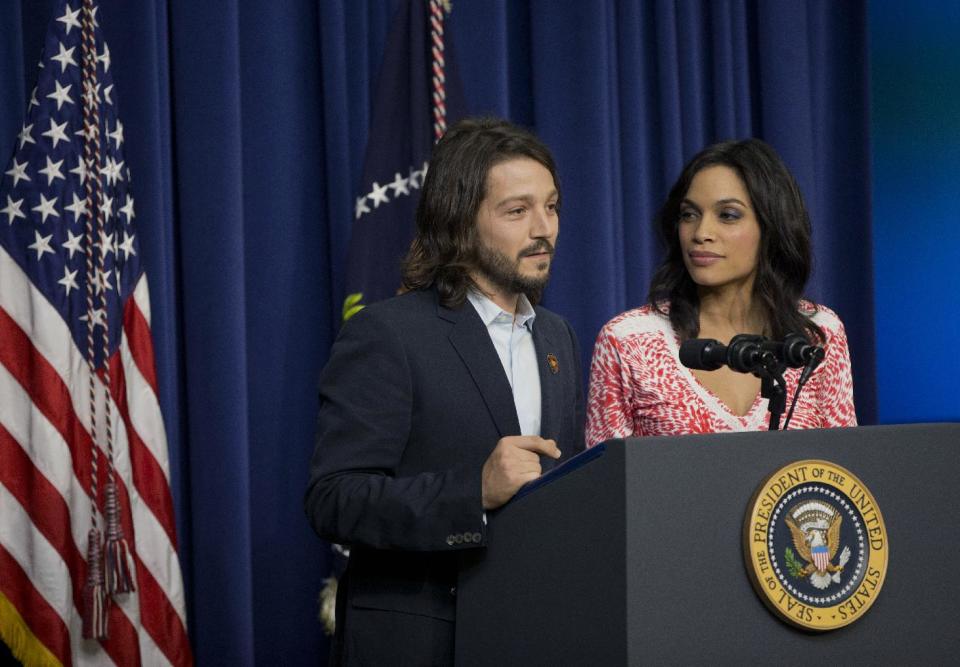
(750, 421)
(723, 403)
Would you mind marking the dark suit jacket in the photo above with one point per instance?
(413, 400)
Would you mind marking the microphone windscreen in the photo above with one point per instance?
(797, 350)
(703, 354)
(744, 353)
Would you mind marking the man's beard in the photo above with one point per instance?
(505, 274)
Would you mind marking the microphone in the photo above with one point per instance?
(795, 351)
(812, 356)
(744, 354)
(765, 358)
(703, 354)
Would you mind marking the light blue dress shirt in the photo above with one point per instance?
(512, 337)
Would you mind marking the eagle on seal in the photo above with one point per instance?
(816, 540)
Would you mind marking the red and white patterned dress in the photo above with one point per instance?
(638, 387)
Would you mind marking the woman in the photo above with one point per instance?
(738, 258)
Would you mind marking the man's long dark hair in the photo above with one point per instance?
(442, 254)
(784, 258)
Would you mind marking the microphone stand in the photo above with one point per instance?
(818, 354)
(773, 386)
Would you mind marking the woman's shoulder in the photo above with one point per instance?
(646, 319)
(821, 315)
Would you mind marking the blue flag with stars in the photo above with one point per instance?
(398, 150)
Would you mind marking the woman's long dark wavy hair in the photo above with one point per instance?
(784, 258)
(442, 254)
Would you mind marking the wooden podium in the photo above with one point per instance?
(636, 556)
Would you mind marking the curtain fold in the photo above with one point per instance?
(245, 128)
(207, 108)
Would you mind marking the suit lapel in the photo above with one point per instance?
(472, 342)
(551, 372)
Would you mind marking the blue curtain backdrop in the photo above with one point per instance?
(246, 125)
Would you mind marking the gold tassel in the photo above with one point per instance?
(328, 605)
(22, 642)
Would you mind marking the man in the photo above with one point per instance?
(438, 405)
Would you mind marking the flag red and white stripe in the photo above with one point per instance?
(44, 507)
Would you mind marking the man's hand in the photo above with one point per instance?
(513, 463)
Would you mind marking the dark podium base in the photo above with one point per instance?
(636, 557)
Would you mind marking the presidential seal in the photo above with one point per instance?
(815, 545)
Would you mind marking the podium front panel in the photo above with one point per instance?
(637, 557)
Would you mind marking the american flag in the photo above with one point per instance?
(47, 450)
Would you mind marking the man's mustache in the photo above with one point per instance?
(538, 247)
